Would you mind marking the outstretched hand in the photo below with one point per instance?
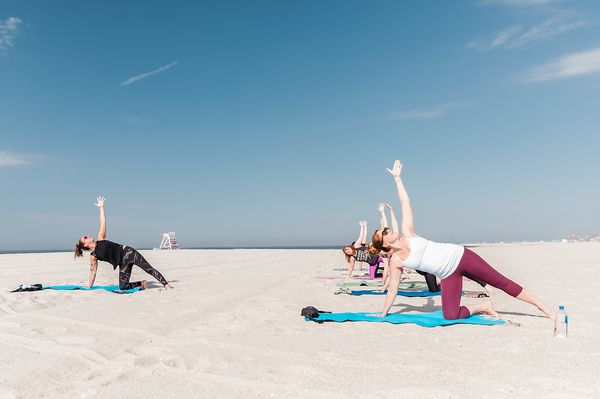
(388, 206)
(381, 207)
(396, 169)
(100, 202)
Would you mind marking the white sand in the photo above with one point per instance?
(231, 328)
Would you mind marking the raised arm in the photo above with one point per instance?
(383, 223)
(393, 217)
(361, 234)
(100, 204)
(407, 226)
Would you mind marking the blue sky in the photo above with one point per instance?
(239, 123)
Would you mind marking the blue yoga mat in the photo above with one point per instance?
(401, 293)
(111, 288)
(432, 319)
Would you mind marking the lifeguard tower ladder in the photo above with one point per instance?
(169, 241)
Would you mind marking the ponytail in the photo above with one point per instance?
(376, 245)
(372, 250)
(79, 249)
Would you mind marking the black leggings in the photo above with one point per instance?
(133, 257)
(433, 286)
(431, 281)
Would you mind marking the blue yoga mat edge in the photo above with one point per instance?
(422, 293)
(432, 319)
(109, 288)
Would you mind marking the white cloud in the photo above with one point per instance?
(148, 74)
(556, 21)
(505, 36)
(11, 159)
(521, 3)
(544, 31)
(500, 39)
(8, 32)
(516, 37)
(568, 66)
(427, 113)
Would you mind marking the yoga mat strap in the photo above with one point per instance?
(28, 287)
(312, 313)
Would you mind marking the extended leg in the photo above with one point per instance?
(140, 261)
(473, 266)
(525, 297)
(476, 266)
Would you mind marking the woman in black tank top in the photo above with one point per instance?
(357, 251)
(118, 255)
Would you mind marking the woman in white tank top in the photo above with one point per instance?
(449, 262)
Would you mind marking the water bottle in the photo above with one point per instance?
(561, 323)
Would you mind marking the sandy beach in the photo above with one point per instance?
(232, 328)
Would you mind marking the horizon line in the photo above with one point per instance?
(339, 246)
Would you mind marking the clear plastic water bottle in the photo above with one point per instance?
(561, 323)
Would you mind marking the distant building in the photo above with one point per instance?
(572, 238)
(576, 238)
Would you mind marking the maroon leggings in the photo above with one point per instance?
(471, 266)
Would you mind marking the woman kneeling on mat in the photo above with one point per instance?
(430, 279)
(449, 262)
(119, 255)
(358, 251)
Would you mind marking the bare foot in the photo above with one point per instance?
(488, 308)
(168, 287)
(144, 284)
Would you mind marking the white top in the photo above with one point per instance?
(436, 258)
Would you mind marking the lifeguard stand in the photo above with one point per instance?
(169, 241)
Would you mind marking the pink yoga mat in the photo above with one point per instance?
(343, 277)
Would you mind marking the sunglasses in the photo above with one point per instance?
(385, 231)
